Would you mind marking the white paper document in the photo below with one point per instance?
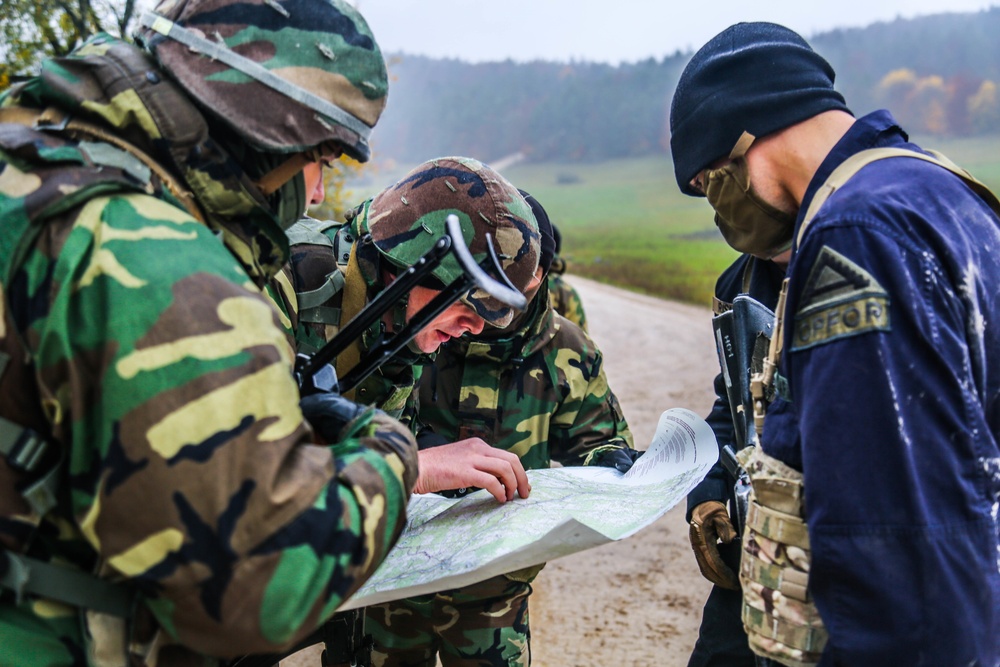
(453, 542)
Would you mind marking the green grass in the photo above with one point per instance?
(625, 222)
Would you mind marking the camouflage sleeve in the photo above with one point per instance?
(566, 301)
(588, 419)
(166, 375)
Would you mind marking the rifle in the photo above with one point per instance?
(742, 336)
(343, 635)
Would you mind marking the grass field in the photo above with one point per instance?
(625, 223)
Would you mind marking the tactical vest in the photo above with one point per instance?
(779, 614)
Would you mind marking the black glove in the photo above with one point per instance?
(329, 413)
(619, 459)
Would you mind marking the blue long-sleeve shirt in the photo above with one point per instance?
(892, 356)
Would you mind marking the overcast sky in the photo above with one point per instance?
(608, 30)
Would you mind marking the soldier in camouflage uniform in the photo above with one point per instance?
(339, 267)
(160, 495)
(564, 297)
(536, 387)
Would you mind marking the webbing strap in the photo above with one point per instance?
(856, 162)
(320, 315)
(221, 52)
(355, 295)
(54, 119)
(30, 576)
(313, 298)
(22, 447)
(777, 526)
(25, 450)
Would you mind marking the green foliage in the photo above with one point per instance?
(339, 197)
(582, 111)
(33, 30)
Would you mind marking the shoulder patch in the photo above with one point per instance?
(840, 299)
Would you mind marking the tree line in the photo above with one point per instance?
(938, 74)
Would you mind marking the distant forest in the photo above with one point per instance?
(938, 75)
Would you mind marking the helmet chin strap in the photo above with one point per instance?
(272, 181)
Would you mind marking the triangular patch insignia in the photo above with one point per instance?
(834, 278)
(839, 299)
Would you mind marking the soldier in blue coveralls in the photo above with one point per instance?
(889, 378)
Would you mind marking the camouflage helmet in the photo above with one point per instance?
(407, 218)
(286, 75)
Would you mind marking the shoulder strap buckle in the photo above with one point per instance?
(23, 448)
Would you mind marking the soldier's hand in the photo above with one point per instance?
(472, 462)
(620, 459)
(710, 524)
(329, 413)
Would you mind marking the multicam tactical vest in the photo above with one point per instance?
(779, 614)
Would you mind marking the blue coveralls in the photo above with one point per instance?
(892, 357)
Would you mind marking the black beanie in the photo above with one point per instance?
(754, 77)
(544, 230)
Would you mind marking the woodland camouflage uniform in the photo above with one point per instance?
(562, 294)
(564, 297)
(339, 267)
(538, 389)
(138, 342)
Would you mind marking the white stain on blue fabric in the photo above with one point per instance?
(970, 294)
(992, 469)
(929, 261)
(895, 405)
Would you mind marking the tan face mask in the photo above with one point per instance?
(748, 223)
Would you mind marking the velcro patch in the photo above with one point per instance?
(840, 299)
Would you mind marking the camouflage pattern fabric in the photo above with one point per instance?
(779, 615)
(537, 389)
(143, 347)
(564, 297)
(324, 49)
(406, 219)
(479, 625)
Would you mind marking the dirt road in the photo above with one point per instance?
(634, 603)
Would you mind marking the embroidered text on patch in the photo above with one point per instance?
(840, 299)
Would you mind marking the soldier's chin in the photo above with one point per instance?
(431, 341)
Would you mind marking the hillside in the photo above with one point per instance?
(938, 73)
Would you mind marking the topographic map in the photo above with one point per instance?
(452, 542)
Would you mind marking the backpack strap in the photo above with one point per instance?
(52, 119)
(856, 162)
(29, 576)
